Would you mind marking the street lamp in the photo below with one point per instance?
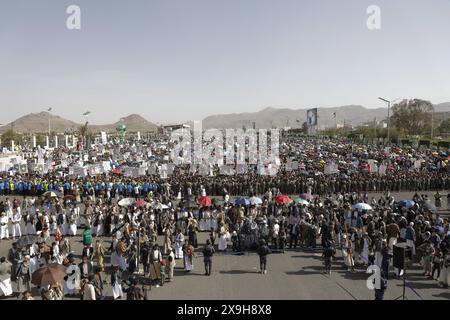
(389, 116)
(86, 114)
(49, 119)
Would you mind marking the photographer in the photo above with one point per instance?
(133, 292)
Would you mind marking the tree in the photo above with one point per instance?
(412, 116)
(444, 127)
(40, 140)
(305, 127)
(11, 135)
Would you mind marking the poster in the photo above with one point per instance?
(311, 117)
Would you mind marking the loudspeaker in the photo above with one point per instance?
(401, 251)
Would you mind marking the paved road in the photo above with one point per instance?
(296, 274)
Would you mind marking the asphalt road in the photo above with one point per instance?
(294, 275)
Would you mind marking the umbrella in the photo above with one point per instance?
(159, 206)
(27, 240)
(126, 202)
(307, 196)
(406, 203)
(190, 204)
(302, 201)
(140, 203)
(283, 199)
(430, 206)
(362, 206)
(242, 201)
(50, 194)
(204, 201)
(69, 197)
(255, 200)
(219, 202)
(48, 274)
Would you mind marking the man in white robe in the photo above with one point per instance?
(179, 241)
(4, 231)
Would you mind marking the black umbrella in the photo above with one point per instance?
(27, 240)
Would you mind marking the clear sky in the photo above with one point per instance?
(176, 60)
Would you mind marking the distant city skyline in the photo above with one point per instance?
(179, 60)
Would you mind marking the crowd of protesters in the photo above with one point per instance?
(152, 222)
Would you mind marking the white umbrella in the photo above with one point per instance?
(127, 202)
(255, 200)
(362, 206)
(159, 206)
(302, 201)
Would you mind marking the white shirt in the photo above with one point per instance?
(276, 229)
(89, 292)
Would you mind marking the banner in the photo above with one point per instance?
(142, 171)
(311, 117)
(106, 166)
(331, 168)
(104, 137)
(373, 167)
(64, 163)
(23, 168)
(95, 169)
(417, 164)
(77, 171)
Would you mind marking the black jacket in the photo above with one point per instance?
(208, 251)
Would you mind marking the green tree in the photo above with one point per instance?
(11, 135)
(412, 116)
(305, 127)
(444, 127)
(40, 140)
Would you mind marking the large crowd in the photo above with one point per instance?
(153, 221)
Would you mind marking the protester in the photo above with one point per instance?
(263, 251)
(167, 209)
(208, 252)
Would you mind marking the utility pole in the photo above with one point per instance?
(49, 121)
(375, 127)
(388, 117)
(432, 123)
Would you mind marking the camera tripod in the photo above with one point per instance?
(403, 295)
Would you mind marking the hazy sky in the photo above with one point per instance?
(175, 60)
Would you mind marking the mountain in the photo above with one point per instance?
(442, 107)
(272, 117)
(354, 115)
(134, 123)
(38, 123)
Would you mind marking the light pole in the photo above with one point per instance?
(432, 123)
(86, 114)
(389, 116)
(49, 121)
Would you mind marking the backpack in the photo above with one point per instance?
(87, 237)
(263, 250)
(207, 251)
